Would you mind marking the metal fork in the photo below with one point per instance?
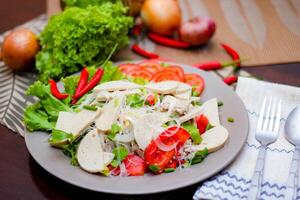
(266, 133)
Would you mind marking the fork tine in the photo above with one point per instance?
(261, 115)
(272, 116)
(277, 122)
(267, 118)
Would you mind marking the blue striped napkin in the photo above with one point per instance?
(234, 181)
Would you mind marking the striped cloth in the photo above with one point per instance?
(233, 182)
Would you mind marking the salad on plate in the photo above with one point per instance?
(129, 120)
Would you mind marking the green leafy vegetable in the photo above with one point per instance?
(120, 154)
(86, 3)
(85, 37)
(230, 119)
(36, 118)
(220, 103)
(169, 170)
(91, 108)
(200, 156)
(115, 128)
(43, 115)
(135, 101)
(209, 126)
(153, 168)
(193, 131)
(70, 149)
(58, 137)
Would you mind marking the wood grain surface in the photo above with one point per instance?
(22, 178)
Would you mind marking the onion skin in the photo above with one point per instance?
(197, 31)
(19, 49)
(161, 16)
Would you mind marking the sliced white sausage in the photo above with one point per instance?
(184, 95)
(193, 112)
(182, 87)
(147, 127)
(109, 114)
(211, 111)
(213, 139)
(116, 85)
(164, 87)
(90, 154)
(75, 123)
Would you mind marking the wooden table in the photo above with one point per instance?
(22, 178)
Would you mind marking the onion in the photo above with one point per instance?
(161, 16)
(134, 6)
(163, 146)
(123, 171)
(197, 31)
(170, 133)
(19, 49)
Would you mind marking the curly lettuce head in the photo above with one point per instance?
(78, 37)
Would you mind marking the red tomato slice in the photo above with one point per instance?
(196, 81)
(178, 70)
(128, 67)
(156, 157)
(143, 73)
(151, 66)
(181, 135)
(150, 99)
(202, 123)
(135, 165)
(172, 164)
(166, 75)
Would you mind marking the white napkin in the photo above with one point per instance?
(234, 181)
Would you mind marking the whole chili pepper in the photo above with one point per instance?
(137, 49)
(91, 84)
(233, 53)
(82, 80)
(230, 80)
(214, 65)
(81, 83)
(168, 41)
(55, 92)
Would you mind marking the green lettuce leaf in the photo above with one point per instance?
(86, 37)
(36, 118)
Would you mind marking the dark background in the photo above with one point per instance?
(22, 178)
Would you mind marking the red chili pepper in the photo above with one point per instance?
(91, 84)
(214, 65)
(136, 30)
(233, 53)
(168, 41)
(81, 83)
(230, 80)
(137, 49)
(55, 92)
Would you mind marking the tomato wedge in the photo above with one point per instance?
(125, 68)
(143, 73)
(160, 159)
(151, 66)
(166, 75)
(135, 165)
(202, 123)
(181, 135)
(195, 81)
(157, 158)
(178, 70)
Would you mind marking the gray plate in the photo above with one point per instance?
(56, 163)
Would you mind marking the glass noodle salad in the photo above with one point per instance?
(145, 117)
